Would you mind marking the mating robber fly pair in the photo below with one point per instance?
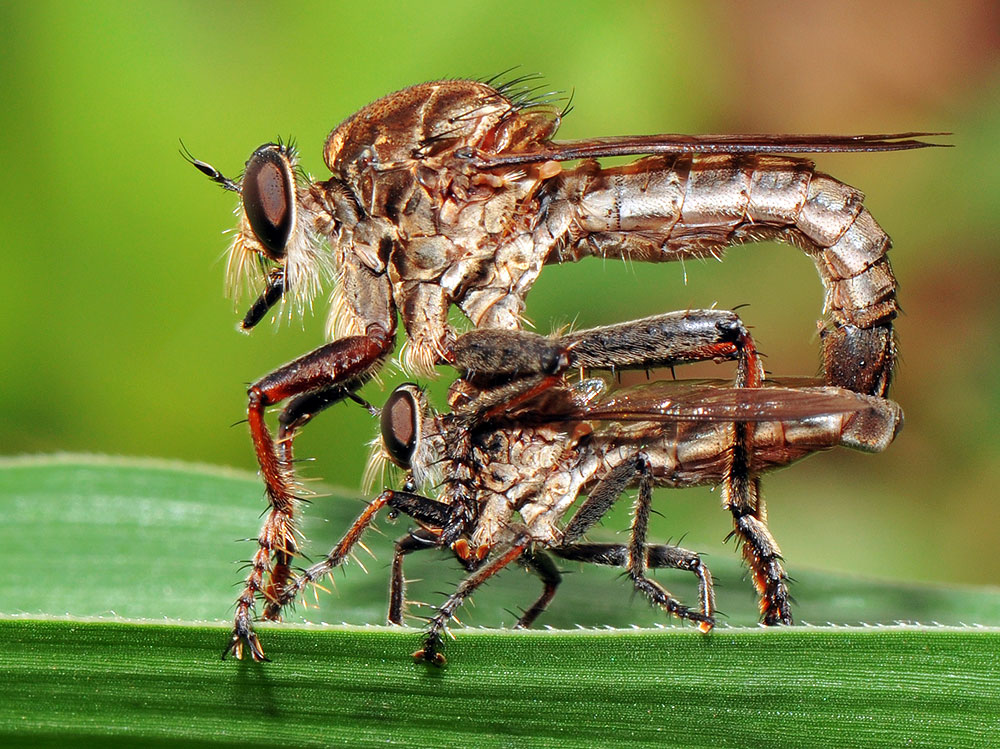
(453, 192)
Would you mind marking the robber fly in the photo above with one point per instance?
(454, 192)
(497, 484)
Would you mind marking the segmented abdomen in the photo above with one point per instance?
(660, 208)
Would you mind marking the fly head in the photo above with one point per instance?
(277, 251)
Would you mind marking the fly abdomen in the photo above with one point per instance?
(670, 208)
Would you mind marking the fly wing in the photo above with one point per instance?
(676, 144)
(706, 401)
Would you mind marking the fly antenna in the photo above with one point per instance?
(207, 169)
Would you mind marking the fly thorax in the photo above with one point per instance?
(492, 527)
(561, 488)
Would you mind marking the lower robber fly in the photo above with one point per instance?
(509, 367)
(504, 480)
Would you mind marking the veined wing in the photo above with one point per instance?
(700, 400)
(677, 144)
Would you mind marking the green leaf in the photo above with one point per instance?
(99, 549)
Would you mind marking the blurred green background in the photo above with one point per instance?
(119, 339)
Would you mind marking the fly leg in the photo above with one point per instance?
(665, 340)
(430, 651)
(600, 500)
(422, 509)
(336, 368)
(542, 565)
(741, 496)
(299, 412)
(507, 368)
(417, 540)
(658, 556)
(637, 555)
(312, 382)
(608, 490)
(655, 592)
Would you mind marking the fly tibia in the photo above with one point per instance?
(542, 565)
(414, 541)
(665, 340)
(763, 558)
(637, 555)
(439, 622)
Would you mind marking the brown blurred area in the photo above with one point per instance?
(805, 60)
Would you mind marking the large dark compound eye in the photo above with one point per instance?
(268, 189)
(400, 425)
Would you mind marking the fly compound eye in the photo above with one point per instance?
(268, 189)
(400, 428)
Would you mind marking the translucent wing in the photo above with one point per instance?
(672, 401)
(676, 144)
(689, 400)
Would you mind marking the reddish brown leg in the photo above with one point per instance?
(297, 414)
(423, 509)
(430, 652)
(520, 399)
(334, 558)
(344, 363)
(741, 496)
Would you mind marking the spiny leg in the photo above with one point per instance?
(299, 412)
(600, 500)
(665, 556)
(656, 593)
(417, 540)
(418, 507)
(340, 364)
(430, 651)
(741, 496)
(608, 491)
(334, 559)
(542, 565)
(506, 368)
(243, 632)
(664, 340)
